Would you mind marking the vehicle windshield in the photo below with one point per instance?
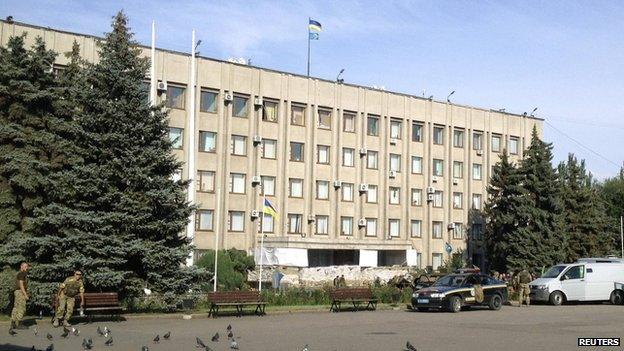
(553, 272)
(450, 280)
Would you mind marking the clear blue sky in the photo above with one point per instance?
(564, 57)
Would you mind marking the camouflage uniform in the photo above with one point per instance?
(69, 289)
(19, 304)
(524, 278)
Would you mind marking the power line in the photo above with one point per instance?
(583, 146)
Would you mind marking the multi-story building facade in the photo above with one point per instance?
(358, 175)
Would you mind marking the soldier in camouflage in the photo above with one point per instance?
(20, 293)
(68, 290)
(523, 280)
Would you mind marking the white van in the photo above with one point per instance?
(586, 280)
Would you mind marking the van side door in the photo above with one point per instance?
(573, 282)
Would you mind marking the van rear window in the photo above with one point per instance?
(589, 270)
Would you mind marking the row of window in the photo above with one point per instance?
(240, 108)
(236, 223)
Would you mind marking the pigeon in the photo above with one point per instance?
(157, 339)
(167, 335)
(12, 332)
(35, 331)
(90, 342)
(230, 334)
(75, 331)
(49, 336)
(233, 345)
(215, 337)
(200, 343)
(99, 331)
(109, 342)
(229, 327)
(306, 348)
(50, 347)
(144, 348)
(409, 347)
(106, 330)
(65, 332)
(33, 348)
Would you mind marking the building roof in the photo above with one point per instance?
(276, 71)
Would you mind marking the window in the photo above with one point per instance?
(476, 171)
(496, 143)
(476, 201)
(393, 227)
(436, 260)
(348, 122)
(458, 231)
(394, 195)
(458, 200)
(236, 221)
(268, 148)
(267, 223)
(417, 132)
(297, 115)
(576, 272)
(239, 145)
(269, 111)
(175, 96)
(322, 225)
(438, 135)
(436, 230)
(395, 162)
(458, 169)
(347, 157)
(294, 223)
(322, 154)
(208, 101)
(371, 194)
(416, 197)
(346, 225)
(324, 119)
(176, 137)
(205, 181)
(395, 129)
(372, 126)
(371, 226)
(477, 231)
(295, 186)
(415, 228)
(237, 183)
(416, 164)
(322, 189)
(437, 198)
(458, 138)
(268, 186)
(207, 141)
(372, 159)
(204, 220)
(240, 108)
(438, 167)
(418, 259)
(347, 192)
(477, 139)
(513, 145)
(296, 152)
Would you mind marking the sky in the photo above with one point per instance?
(564, 57)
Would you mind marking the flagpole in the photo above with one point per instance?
(309, 46)
(262, 237)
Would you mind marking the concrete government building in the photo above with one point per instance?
(358, 175)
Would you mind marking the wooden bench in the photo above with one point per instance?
(355, 296)
(95, 303)
(237, 299)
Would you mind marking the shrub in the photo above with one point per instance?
(7, 283)
(232, 269)
(298, 296)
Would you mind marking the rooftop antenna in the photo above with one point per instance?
(533, 112)
(430, 97)
(448, 98)
(501, 110)
(338, 76)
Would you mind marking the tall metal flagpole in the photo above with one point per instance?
(153, 67)
(308, 47)
(622, 235)
(190, 229)
(261, 237)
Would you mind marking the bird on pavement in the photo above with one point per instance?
(106, 330)
(49, 336)
(200, 343)
(229, 327)
(109, 342)
(409, 347)
(99, 331)
(215, 337)
(75, 331)
(50, 347)
(157, 339)
(167, 335)
(12, 332)
(306, 348)
(90, 342)
(35, 331)
(233, 345)
(230, 334)
(65, 332)
(144, 348)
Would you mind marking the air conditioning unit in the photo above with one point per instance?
(258, 102)
(362, 222)
(455, 181)
(228, 97)
(255, 213)
(430, 197)
(337, 183)
(434, 179)
(430, 190)
(393, 141)
(363, 188)
(311, 218)
(479, 152)
(255, 180)
(363, 151)
(451, 226)
(392, 174)
(161, 86)
(257, 139)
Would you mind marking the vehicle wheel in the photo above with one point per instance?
(454, 304)
(617, 297)
(556, 298)
(422, 309)
(495, 303)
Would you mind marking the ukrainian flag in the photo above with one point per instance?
(314, 26)
(269, 209)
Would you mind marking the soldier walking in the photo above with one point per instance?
(68, 290)
(524, 278)
(20, 293)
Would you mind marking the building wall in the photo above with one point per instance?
(316, 94)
